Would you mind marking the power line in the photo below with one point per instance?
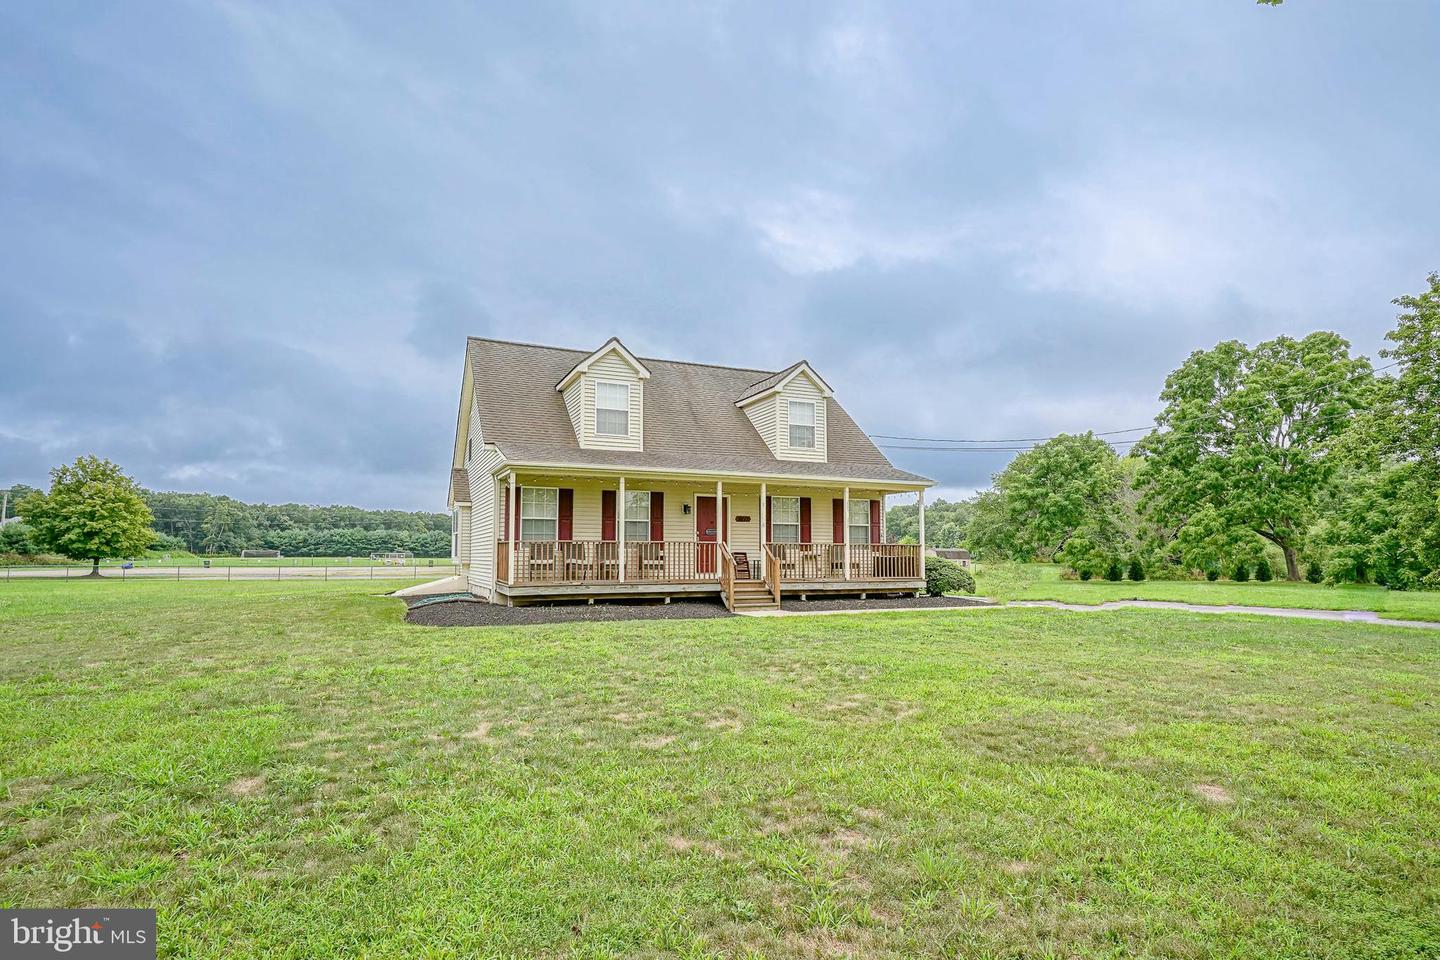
(1104, 433)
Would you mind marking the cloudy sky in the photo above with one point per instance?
(242, 243)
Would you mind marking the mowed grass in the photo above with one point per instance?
(287, 770)
(1043, 581)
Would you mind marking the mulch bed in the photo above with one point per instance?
(883, 603)
(478, 613)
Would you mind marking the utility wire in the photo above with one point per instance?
(1260, 401)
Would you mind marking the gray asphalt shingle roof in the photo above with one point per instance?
(690, 418)
(460, 485)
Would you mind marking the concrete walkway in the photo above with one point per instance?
(455, 584)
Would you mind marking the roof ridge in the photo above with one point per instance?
(684, 363)
(778, 373)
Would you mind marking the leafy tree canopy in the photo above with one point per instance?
(1251, 434)
(93, 512)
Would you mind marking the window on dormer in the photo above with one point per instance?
(802, 425)
(612, 409)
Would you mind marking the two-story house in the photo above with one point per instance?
(603, 475)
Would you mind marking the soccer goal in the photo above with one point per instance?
(396, 558)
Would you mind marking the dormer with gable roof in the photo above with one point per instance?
(605, 398)
(788, 410)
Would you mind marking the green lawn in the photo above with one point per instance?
(287, 770)
(1041, 581)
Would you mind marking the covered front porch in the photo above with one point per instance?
(594, 535)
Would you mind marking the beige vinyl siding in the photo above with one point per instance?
(743, 496)
(763, 415)
(613, 368)
(803, 389)
(481, 555)
(575, 406)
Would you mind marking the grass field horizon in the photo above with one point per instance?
(289, 770)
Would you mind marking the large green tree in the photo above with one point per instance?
(1250, 435)
(1049, 493)
(93, 512)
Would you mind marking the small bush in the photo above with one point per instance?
(1263, 573)
(1086, 574)
(1212, 574)
(1313, 572)
(1241, 573)
(1137, 570)
(1113, 573)
(946, 576)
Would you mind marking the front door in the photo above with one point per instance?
(706, 528)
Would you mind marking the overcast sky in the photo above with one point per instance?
(241, 245)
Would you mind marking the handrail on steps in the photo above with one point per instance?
(727, 576)
(771, 572)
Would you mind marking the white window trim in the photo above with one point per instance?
(554, 519)
(791, 424)
(626, 410)
(775, 525)
(851, 522)
(625, 518)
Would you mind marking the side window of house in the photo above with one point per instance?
(859, 521)
(802, 424)
(637, 515)
(612, 409)
(539, 513)
(455, 533)
(469, 449)
(785, 519)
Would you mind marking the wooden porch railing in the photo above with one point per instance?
(598, 561)
(810, 562)
(689, 561)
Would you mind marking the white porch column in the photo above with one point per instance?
(620, 527)
(920, 502)
(845, 525)
(884, 520)
(761, 533)
(719, 522)
(512, 534)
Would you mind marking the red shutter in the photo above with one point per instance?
(804, 519)
(838, 526)
(519, 499)
(875, 521)
(566, 525)
(768, 537)
(607, 515)
(657, 516)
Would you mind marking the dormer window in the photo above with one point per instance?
(612, 409)
(802, 425)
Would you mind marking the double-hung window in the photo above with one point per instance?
(785, 519)
(455, 534)
(802, 425)
(859, 521)
(539, 513)
(612, 409)
(637, 516)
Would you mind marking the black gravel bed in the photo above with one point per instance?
(883, 603)
(478, 613)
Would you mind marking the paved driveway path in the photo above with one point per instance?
(1344, 616)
